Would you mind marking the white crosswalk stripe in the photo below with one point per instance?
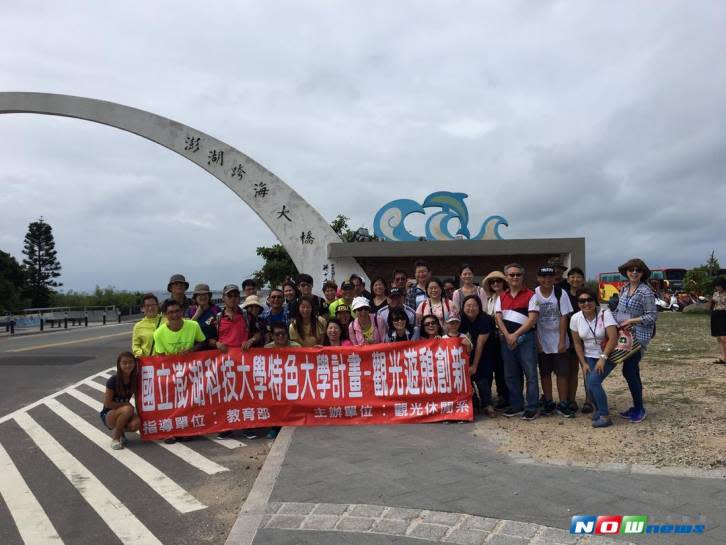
(192, 457)
(129, 529)
(179, 498)
(33, 524)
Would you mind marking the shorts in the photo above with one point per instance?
(557, 363)
(103, 414)
(718, 323)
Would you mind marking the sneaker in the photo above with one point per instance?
(116, 444)
(564, 410)
(573, 406)
(627, 414)
(249, 434)
(501, 406)
(509, 412)
(170, 440)
(587, 408)
(529, 415)
(224, 434)
(489, 411)
(548, 408)
(638, 416)
(542, 401)
(602, 422)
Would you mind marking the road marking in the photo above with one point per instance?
(66, 343)
(33, 524)
(95, 385)
(174, 494)
(129, 529)
(190, 456)
(228, 443)
(42, 400)
(105, 375)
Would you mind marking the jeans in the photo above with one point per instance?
(502, 391)
(594, 382)
(631, 372)
(523, 358)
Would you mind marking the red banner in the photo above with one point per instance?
(396, 383)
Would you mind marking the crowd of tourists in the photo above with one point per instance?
(518, 338)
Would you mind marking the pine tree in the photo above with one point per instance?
(41, 263)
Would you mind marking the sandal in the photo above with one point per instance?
(587, 408)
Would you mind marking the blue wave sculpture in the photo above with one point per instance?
(389, 222)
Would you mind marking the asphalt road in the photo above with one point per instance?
(61, 483)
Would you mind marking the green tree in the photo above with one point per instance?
(41, 263)
(12, 283)
(277, 266)
(700, 279)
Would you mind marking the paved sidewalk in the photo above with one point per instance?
(348, 484)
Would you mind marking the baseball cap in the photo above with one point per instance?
(361, 302)
(546, 271)
(396, 292)
(346, 285)
(229, 288)
(453, 317)
(342, 308)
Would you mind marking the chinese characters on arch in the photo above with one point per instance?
(397, 383)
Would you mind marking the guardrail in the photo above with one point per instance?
(63, 317)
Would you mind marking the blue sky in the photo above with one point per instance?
(602, 120)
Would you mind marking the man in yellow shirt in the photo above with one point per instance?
(177, 335)
(142, 338)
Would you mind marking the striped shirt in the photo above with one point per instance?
(515, 310)
(639, 305)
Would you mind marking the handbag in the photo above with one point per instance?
(626, 347)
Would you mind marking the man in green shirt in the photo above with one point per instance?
(347, 294)
(177, 335)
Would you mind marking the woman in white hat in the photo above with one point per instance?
(255, 324)
(366, 328)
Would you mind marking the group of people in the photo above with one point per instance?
(517, 338)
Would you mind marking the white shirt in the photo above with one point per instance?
(548, 323)
(586, 328)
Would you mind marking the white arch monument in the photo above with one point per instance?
(298, 226)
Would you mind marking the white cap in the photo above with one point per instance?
(360, 302)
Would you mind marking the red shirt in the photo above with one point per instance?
(232, 331)
(515, 310)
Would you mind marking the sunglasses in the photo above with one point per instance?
(587, 300)
(496, 281)
(431, 324)
(514, 275)
(635, 270)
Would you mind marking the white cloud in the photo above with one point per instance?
(570, 119)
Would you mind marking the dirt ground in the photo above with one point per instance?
(684, 393)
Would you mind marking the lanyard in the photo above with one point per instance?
(593, 331)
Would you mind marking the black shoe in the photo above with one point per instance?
(563, 409)
(501, 406)
(529, 415)
(548, 409)
(512, 412)
(170, 440)
(224, 434)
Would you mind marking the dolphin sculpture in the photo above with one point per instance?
(490, 228)
(452, 207)
(389, 221)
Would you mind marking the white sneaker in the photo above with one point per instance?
(116, 444)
